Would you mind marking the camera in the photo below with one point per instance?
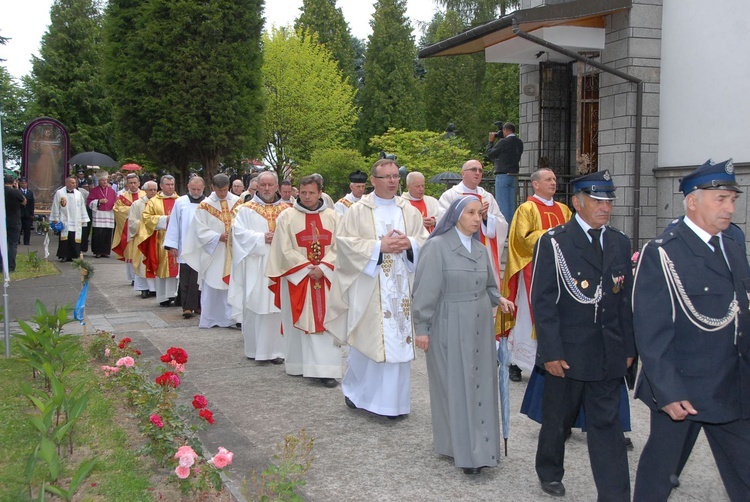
(499, 133)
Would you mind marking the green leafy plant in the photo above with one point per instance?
(87, 268)
(294, 458)
(35, 263)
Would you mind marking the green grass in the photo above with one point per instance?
(119, 474)
(25, 269)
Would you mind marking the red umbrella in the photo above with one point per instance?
(131, 167)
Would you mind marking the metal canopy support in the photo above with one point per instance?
(638, 115)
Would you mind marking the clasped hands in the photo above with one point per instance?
(394, 241)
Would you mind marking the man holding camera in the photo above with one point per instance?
(505, 149)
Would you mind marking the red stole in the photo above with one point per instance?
(120, 249)
(150, 248)
(551, 216)
(422, 208)
(313, 239)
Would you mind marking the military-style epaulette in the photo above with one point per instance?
(609, 227)
(557, 230)
(665, 237)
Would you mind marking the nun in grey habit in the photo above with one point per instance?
(454, 292)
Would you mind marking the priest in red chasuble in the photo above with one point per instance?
(122, 209)
(531, 220)
(428, 207)
(302, 258)
(157, 262)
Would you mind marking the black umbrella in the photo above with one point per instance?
(92, 159)
(445, 177)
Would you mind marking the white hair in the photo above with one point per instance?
(413, 176)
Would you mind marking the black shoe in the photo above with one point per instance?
(144, 293)
(329, 382)
(470, 471)
(675, 480)
(187, 314)
(629, 444)
(568, 433)
(238, 325)
(514, 373)
(554, 488)
(132, 283)
(349, 403)
(278, 360)
(165, 303)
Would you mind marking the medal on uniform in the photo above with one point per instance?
(618, 283)
(584, 284)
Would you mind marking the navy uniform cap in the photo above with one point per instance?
(711, 176)
(596, 185)
(357, 177)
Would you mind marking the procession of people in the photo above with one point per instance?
(377, 275)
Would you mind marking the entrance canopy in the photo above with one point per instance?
(578, 26)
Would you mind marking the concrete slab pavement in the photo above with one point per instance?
(358, 456)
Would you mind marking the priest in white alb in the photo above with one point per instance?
(143, 282)
(302, 258)
(121, 211)
(428, 206)
(249, 295)
(378, 242)
(206, 251)
(494, 227)
(357, 185)
(174, 242)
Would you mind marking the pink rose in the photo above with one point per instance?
(156, 420)
(222, 459)
(125, 361)
(108, 370)
(187, 461)
(186, 450)
(179, 368)
(182, 472)
(106, 352)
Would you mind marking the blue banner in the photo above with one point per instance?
(81, 304)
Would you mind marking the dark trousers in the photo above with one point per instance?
(69, 249)
(665, 448)
(86, 232)
(101, 241)
(190, 295)
(26, 226)
(13, 236)
(561, 402)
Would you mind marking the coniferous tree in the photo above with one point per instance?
(186, 82)
(391, 96)
(327, 21)
(66, 80)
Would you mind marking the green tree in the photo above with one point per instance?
(66, 80)
(391, 96)
(14, 117)
(423, 151)
(452, 85)
(334, 164)
(327, 20)
(479, 11)
(185, 78)
(309, 104)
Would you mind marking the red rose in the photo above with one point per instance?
(207, 415)
(199, 402)
(168, 379)
(137, 352)
(124, 342)
(175, 354)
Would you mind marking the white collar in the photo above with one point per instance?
(548, 203)
(384, 202)
(465, 239)
(702, 234)
(586, 227)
